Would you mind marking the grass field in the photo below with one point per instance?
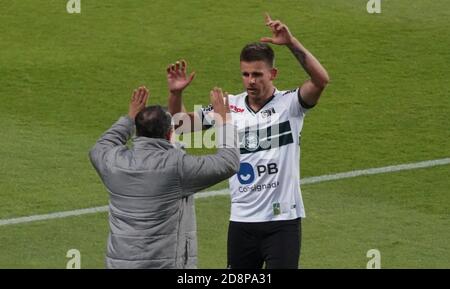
(66, 78)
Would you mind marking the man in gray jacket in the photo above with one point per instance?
(151, 185)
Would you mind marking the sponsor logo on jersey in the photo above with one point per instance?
(258, 187)
(235, 108)
(246, 174)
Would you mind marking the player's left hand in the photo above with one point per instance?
(280, 32)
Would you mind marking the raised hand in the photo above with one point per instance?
(177, 80)
(280, 32)
(138, 101)
(220, 103)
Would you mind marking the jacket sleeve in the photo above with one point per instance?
(117, 135)
(200, 172)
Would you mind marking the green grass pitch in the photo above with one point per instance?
(65, 78)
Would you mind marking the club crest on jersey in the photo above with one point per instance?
(251, 141)
(268, 112)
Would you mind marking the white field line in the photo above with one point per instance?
(304, 181)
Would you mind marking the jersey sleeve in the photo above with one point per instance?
(206, 113)
(295, 102)
(207, 116)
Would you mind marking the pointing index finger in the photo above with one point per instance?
(267, 18)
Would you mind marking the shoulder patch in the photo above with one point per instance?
(207, 108)
(290, 91)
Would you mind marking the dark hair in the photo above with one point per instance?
(258, 51)
(153, 121)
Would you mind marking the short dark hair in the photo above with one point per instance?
(153, 121)
(258, 51)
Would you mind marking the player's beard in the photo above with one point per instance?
(254, 92)
(258, 94)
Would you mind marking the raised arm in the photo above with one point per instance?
(121, 131)
(199, 172)
(177, 81)
(312, 88)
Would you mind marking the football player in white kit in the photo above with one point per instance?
(266, 202)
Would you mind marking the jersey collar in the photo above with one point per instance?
(275, 92)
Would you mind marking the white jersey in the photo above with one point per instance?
(267, 186)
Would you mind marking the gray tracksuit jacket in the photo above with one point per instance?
(151, 187)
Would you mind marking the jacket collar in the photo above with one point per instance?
(147, 143)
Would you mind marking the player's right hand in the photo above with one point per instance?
(280, 32)
(177, 80)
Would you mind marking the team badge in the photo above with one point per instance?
(251, 141)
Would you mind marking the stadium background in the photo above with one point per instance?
(65, 78)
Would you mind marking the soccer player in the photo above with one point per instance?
(266, 202)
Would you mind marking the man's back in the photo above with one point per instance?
(146, 208)
(151, 186)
